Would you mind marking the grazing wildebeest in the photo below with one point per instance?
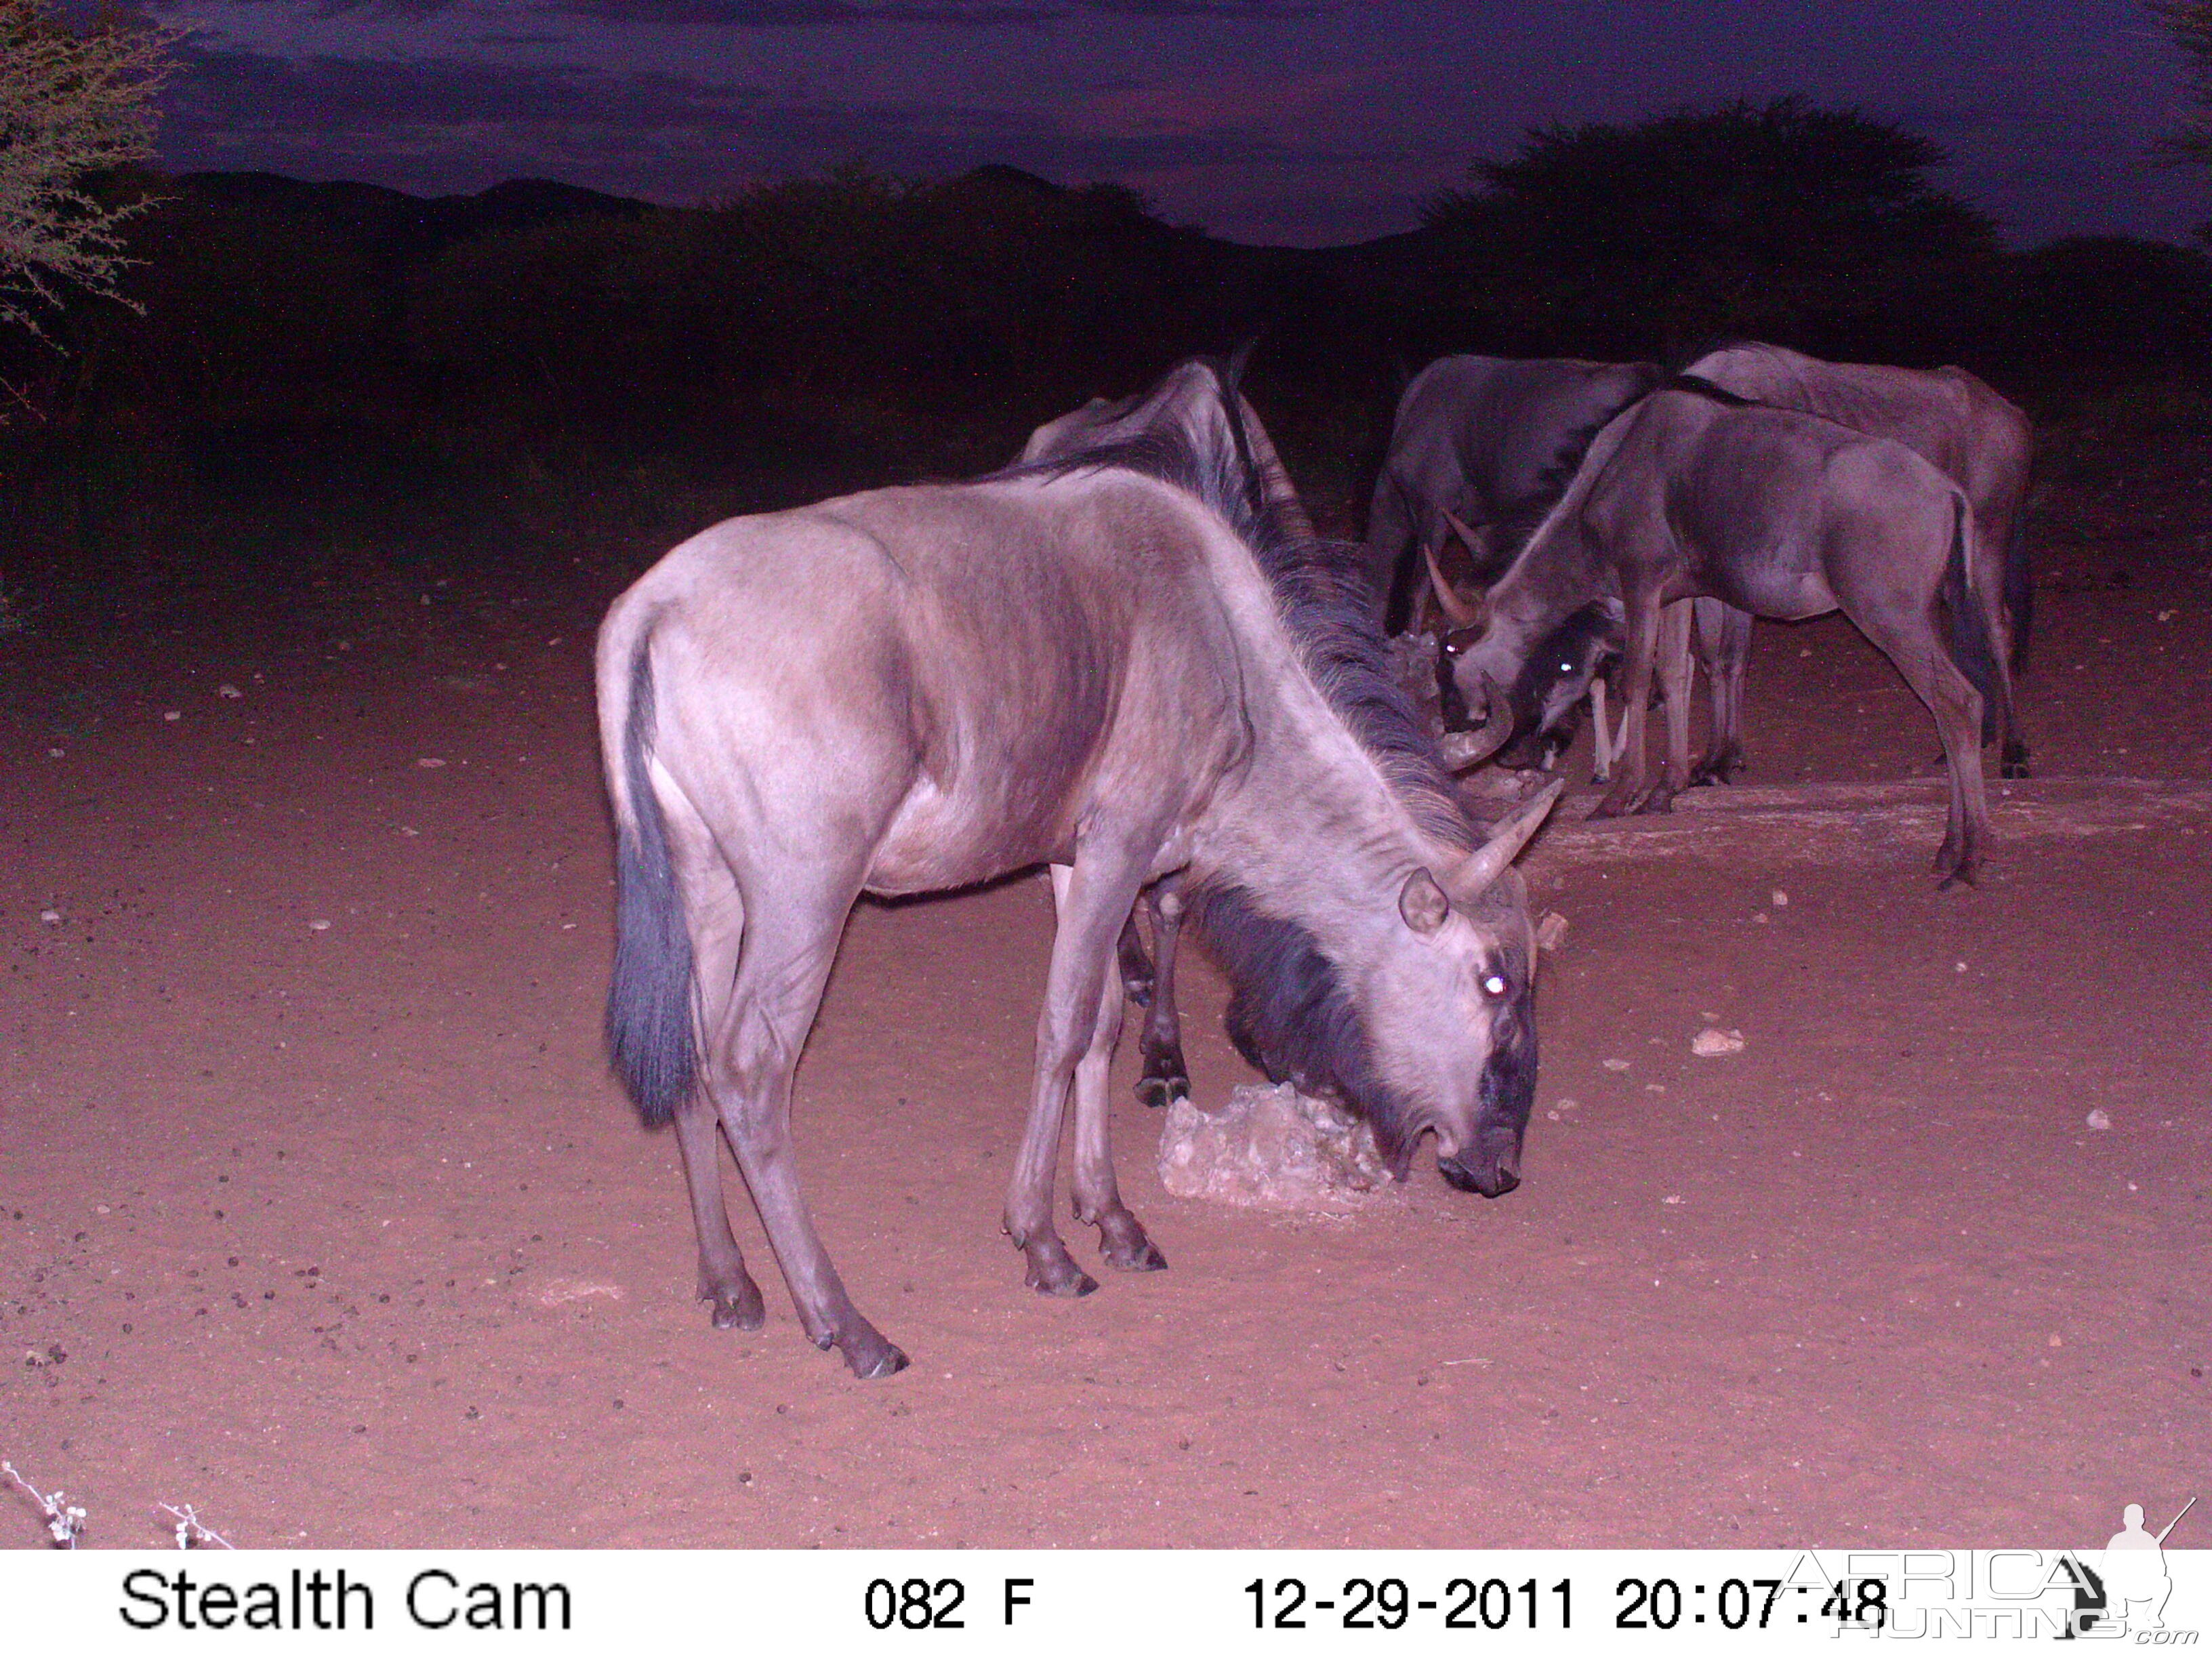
(1579, 660)
(1484, 440)
(1113, 664)
(1949, 417)
(1695, 492)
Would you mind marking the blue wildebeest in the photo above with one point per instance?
(1952, 419)
(1695, 492)
(1486, 441)
(1114, 664)
(1949, 417)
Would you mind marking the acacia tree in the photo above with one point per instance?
(2190, 24)
(1776, 219)
(73, 105)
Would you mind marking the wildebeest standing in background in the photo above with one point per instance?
(1948, 417)
(1485, 439)
(1114, 666)
(1696, 493)
(1953, 420)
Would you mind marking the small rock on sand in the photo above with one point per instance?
(1714, 1041)
(554, 1291)
(1551, 930)
(2098, 1119)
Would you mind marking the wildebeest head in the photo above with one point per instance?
(1459, 1033)
(1431, 1032)
(1557, 677)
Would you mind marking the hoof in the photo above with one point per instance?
(1068, 1282)
(1143, 1257)
(870, 1361)
(739, 1314)
(1066, 1287)
(1661, 799)
(734, 1307)
(1160, 1092)
(1957, 872)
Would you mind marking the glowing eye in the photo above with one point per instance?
(1494, 985)
(1567, 668)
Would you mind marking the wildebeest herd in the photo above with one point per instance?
(1127, 657)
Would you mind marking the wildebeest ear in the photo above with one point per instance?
(1423, 903)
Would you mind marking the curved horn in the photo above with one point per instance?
(1489, 861)
(1462, 614)
(1497, 731)
(1460, 529)
(1274, 481)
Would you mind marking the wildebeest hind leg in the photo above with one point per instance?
(723, 1279)
(1166, 1078)
(716, 914)
(1919, 655)
(1121, 1238)
(792, 925)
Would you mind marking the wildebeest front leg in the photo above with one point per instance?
(1675, 677)
(1166, 1078)
(1121, 1238)
(1135, 963)
(1636, 699)
(1090, 910)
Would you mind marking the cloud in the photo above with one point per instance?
(967, 14)
(829, 13)
(441, 125)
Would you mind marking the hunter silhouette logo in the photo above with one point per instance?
(2126, 1591)
(2137, 1584)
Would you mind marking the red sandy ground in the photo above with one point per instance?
(346, 1237)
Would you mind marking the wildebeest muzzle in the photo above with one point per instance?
(1493, 1169)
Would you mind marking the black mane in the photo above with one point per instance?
(1321, 592)
(1291, 1016)
(1530, 512)
(1699, 386)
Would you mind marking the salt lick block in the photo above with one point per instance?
(1272, 1149)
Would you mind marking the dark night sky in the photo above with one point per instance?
(1264, 120)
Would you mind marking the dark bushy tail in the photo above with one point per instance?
(1970, 644)
(2019, 593)
(649, 1030)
